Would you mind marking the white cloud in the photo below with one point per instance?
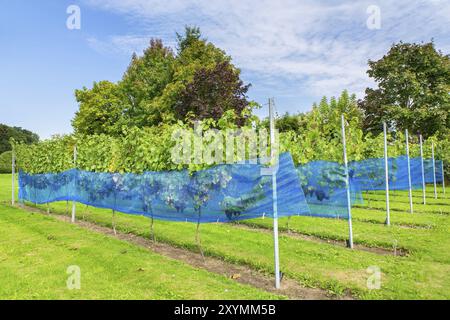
(123, 44)
(321, 47)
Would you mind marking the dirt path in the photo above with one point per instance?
(400, 252)
(242, 274)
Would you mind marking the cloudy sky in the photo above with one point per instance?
(294, 51)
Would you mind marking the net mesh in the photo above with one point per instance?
(370, 174)
(232, 191)
(220, 194)
(428, 165)
(324, 186)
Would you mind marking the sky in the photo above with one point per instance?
(293, 50)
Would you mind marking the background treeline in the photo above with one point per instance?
(19, 135)
(127, 125)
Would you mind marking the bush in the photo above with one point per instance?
(5, 162)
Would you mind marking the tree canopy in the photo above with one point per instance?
(198, 81)
(413, 90)
(18, 134)
(162, 89)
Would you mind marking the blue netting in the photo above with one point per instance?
(223, 193)
(370, 175)
(229, 192)
(324, 186)
(428, 164)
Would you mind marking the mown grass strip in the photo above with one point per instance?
(37, 250)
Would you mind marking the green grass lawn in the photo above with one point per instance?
(423, 274)
(36, 250)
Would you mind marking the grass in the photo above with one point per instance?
(36, 251)
(423, 274)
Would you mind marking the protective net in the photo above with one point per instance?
(324, 186)
(220, 194)
(369, 174)
(429, 171)
(230, 192)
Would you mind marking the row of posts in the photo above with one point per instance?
(411, 208)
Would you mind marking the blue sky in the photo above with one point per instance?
(295, 51)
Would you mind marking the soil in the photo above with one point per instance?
(294, 234)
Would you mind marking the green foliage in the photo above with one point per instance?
(319, 136)
(190, 36)
(150, 148)
(161, 87)
(16, 133)
(53, 155)
(144, 86)
(101, 109)
(413, 86)
(6, 162)
(289, 122)
(135, 150)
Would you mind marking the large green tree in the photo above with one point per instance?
(101, 109)
(413, 90)
(197, 82)
(144, 83)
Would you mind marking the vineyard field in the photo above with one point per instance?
(410, 254)
(36, 250)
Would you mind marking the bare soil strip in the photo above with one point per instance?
(242, 274)
(399, 252)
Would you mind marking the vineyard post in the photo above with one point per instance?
(443, 177)
(347, 185)
(434, 169)
(74, 165)
(423, 170)
(13, 179)
(408, 162)
(386, 175)
(274, 195)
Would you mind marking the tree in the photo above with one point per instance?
(191, 35)
(288, 122)
(161, 87)
(413, 90)
(212, 92)
(144, 81)
(101, 109)
(319, 136)
(18, 134)
(206, 83)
